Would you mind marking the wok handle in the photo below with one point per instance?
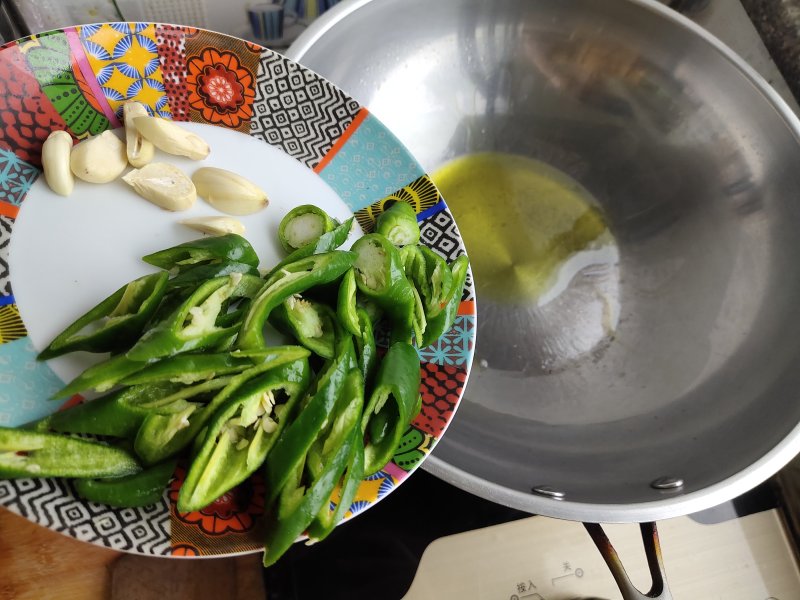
(652, 548)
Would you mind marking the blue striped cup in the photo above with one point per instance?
(267, 20)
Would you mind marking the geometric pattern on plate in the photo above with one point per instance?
(171, 43)
(421, 194)
(54, 504)
(6, 223)
(372, 489)
(413, 447)
(370, 165)
(11, 325)
(442, 386)
(297, 111)
(455, 346)
(16, 178)
(440, 233)
(26, 115)
(124, 59)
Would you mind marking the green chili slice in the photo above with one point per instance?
(230, 247)
(391, 405)
(114, 323)
(380, 276)
(241, 434)
(399, 224)
(303, 225)
(140, 489)
(25, 453)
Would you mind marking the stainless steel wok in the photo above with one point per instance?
(693, 396)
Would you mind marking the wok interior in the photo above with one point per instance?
(698, 177)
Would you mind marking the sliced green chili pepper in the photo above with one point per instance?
(327, 520)
(346, 414)
(399, 224)
(140, 489)
(162, 436)
(111, 415)
(293, 278)
(346, 304)
(312, 324)
(431, 276)
(327, 243)
(380, 276)
(190, 368)
(26, 453)
(283, 531)
(346, 417)
(192, 326)
(303, 225)
(288, 454)
(171, 402)
(366, 349)
(408, 256)
(391, 404)
(192, 277)
(374, 311)
(418, 323)
(114, 323)
(234, 316)
(101, 377)
(241, 434)
(442, 322)
(220, 248)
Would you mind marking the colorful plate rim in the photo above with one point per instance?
(77, 79)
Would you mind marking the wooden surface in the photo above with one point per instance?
(39, 564)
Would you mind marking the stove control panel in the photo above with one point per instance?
(749, 558)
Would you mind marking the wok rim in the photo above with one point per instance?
(671, 505)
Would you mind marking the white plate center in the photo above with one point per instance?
(67, 254)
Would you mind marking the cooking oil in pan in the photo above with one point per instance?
(521, 220)
(544, 259)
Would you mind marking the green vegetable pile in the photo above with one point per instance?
(190, 375)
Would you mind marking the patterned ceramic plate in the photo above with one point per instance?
(286, 128)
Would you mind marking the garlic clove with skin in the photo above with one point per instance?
(98, 159)
(228, 192)
(172, 138)
(139, 150)
(55, 161)
(215, 225)
(164, 185)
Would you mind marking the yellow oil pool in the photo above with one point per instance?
(522, 221)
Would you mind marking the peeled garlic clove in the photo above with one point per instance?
(55, 160)
(228, 192)
(164, 185)
(140, 151)
(99, 159)
(215, 225)
(172, 138)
